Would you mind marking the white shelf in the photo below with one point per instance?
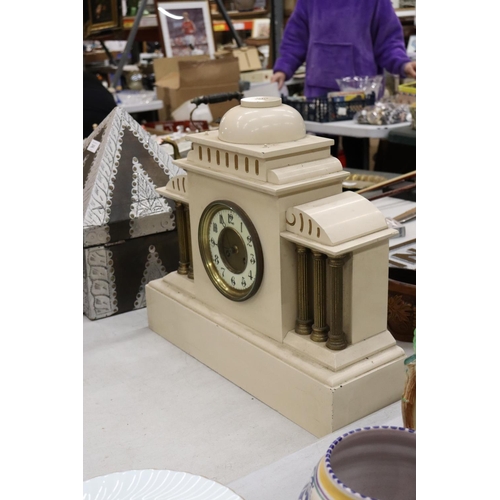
(137, 101)
(139, 108)
(406, 12)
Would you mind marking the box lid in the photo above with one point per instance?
(122, 167)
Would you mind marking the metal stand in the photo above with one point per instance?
(130, 41)
(277, 8)
(229, 23)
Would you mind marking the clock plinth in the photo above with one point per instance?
(288, 284)
(296, 377)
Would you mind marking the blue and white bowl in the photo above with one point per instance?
(370, 463)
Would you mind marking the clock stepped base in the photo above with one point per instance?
(296, 383)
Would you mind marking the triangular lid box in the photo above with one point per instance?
(122, 167)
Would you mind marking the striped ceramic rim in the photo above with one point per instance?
(341, 438)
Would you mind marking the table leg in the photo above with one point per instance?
(365, 144)
(357, 152)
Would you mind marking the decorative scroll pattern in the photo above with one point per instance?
(100, 184)
(153, 270)
(98, 198)
(158, 153)
(147, 202)
(99, 283)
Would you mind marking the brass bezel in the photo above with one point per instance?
(206, 256)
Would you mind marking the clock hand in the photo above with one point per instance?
(230, 250)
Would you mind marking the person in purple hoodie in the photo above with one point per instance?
(340, 38)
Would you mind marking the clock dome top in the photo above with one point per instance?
(261, 120)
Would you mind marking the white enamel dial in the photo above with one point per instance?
(230, 250)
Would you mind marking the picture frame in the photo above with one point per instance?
(186, 28)
(101, 15)
(261, 28)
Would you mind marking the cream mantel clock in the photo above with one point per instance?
(282, 283)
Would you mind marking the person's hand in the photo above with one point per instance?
(410, 69)
(279, 77)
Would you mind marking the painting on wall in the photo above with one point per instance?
(100, 15)
(261, 28)
(186, 28)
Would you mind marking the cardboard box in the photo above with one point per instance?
(248, 58)
(257, 76)
(179, 79)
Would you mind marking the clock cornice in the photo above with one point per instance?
(264, 186)
(263, 151)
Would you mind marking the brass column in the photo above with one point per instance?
(183, 239)
(319, 328)
(189, 245)
(303, 322)
(336, 337)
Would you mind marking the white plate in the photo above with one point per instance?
(155, 485)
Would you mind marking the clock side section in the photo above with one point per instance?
(272, 309)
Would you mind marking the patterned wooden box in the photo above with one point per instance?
(129, 232)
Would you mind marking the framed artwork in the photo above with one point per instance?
(101, 15)
(186, 28)
(261, 28)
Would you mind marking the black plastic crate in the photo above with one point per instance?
(323, 109)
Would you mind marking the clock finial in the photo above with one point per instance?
(261, 120)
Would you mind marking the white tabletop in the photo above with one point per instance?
(349, 128)
(149, 405)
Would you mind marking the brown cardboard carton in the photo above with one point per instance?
(179, 79)
(257, 76)
(248, 58)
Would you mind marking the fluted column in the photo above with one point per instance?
(336, 338)
(303, 322)
(183, 239)
(189, 243)
(319, 328)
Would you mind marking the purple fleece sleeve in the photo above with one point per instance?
(293, 48)
(388, 39)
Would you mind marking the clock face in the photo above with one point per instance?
(230, 250)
